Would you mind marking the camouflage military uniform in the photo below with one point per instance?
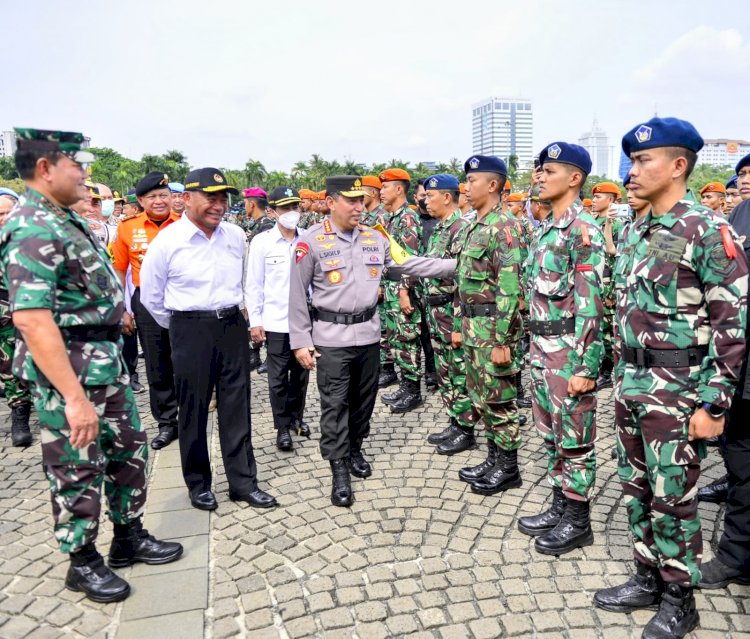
(565, 275)
(51, 260)
(16, 390)
(681, 284)
(489, 291)
(253, 227)
(440, 302)
(403, 331)
(377, 216)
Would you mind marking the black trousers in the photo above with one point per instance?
(348, 385)
(287, 381)
(426, 341)
(213, 353)
(159, 373)
(130, 352)
(734, 546)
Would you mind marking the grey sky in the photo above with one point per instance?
(228, 80)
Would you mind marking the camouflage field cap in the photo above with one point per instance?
(68, 143)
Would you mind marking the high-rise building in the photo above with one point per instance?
(596, 143)
(723, 152)
(504, 127)
(7, 144)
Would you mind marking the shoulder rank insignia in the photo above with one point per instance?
(300, 251)
(327, 227)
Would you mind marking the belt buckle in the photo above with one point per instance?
(219, 313)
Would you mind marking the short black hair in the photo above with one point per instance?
(26, 159)
(260, 201)
(680, 152)
(454, 194)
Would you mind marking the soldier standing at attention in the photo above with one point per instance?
(681, 312)
(441, 302)
(489, 292)
(733, 197)
(714, 196)
(67, 305)
(565, 310)
(402, 313)
(375, 212)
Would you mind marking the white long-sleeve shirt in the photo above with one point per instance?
(267, 280)
(184, 270)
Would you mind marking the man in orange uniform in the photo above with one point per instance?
(134, 235)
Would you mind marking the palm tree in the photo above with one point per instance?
(255, 172)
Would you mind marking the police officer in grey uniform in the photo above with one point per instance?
(342, 263)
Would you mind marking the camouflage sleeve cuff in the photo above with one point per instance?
(582, 371)
(32, 295)
(715, 395)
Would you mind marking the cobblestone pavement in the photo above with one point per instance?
(418, 555)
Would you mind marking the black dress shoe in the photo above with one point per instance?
(255, 361)
(283, 439)
(89, 575)
(716, 492)
(257, 498)
(341, 488)
(358, 465)
(135, 385)
(204, 500)
(522, 419)
(716, 574)
(134, 544)
(165, 437)
(461, 441)
(263, 368)
(301, 428)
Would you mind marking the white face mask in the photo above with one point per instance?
(289, 220)
(108, 208)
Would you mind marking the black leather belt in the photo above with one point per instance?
(553, 327)
(344, 318)
(219, 313)
(438, 300)
(664, 358)
(91, 333)
(392, 277)
(478, 310)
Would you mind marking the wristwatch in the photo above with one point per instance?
(715, 411)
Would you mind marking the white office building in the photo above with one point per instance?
(596, 143)
(723, 152)
(7, 144)
(504, 127)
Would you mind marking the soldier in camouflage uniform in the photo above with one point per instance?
(681, 313)
(67, 304)
(441, 303)
(16, 390)
(565, 309)
(604, 195)
(487, 276)
(402, 314)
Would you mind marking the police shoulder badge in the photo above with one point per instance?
(300, 251)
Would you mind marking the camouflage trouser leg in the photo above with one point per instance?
(492, 390)
(117, 459)
(451, 376)
(659, 468)
(568, 427)
(607, 335)
(386, 356)
(403, 335)
(16, 390)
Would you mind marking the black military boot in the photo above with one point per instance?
(471, 474)
(430, 380)
(283, 438)
(89, 575)
(573, 531)
(263, 368)
(642, 590)
(358, 465)
(255, 360)
(521, 400)
(132, 543)
(341, 491)
(716, 574)
(677, 614)
(387, 376)
(391, 398)
(536, 525)
(20, 433)
(450, 431)
(716, 492)
(605, 375)
(461, 441)
(411, 398)
(502, 476)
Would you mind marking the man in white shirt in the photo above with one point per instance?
(267, 303)
(191, 283)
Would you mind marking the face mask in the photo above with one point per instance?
(422, 202)
(289, 220)
(108, 208)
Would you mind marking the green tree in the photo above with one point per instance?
(255, 172)
(8, 168)
(705, 173)
(115, 170)
(16, 185)
(512, 167)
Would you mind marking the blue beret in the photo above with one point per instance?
(176, 187)
(659, 132)
(732, 183)
(566, 154)
(10, 192)
(441, 182)
(742, 163)
(485, 164)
